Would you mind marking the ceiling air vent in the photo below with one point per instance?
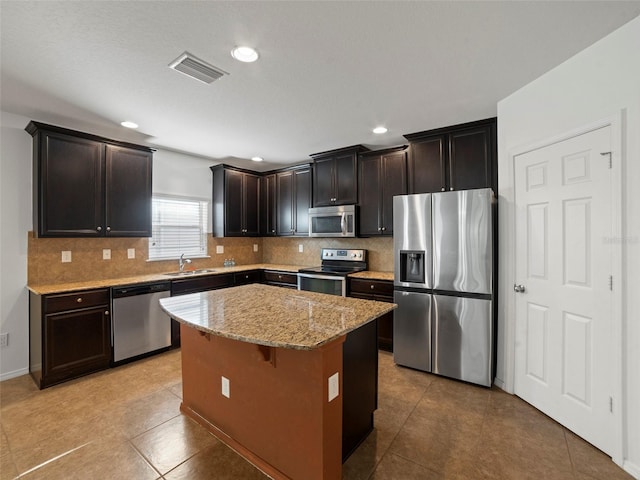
(195, 68)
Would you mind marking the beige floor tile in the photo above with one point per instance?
(587, 459)
(217, 462)
(8, 469)
(104, 459)
(173, 442)
(393, 467)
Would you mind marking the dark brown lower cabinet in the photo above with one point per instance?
(280, 279)
(244, 278)
(70, 335)
(381, 291)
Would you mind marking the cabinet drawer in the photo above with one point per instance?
(371, 287)
(281, 277)
(72, 301)
(242, 278)
(200, 284)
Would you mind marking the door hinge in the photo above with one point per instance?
(611, 404)
(610, 158)
(611, 282)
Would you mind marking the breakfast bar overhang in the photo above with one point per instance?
(284, 377)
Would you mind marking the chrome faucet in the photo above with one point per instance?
(183, 261)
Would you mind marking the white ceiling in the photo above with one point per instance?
(328, 73)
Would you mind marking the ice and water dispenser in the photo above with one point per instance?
(412, 266)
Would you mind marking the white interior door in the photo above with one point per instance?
(563, 348)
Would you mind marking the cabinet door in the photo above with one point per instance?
(70, 181)
(284, 189)
(346, 183)
(323, 186)
(393, 171)
(233, 196)
(470, 159)
(302, 201)
(128, 192)
(251, 204)
(426, 166)
(77, 342)
(370, 195)
(268, 205)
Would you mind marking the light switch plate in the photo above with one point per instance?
(334, 386)
(66, 256)
(106, 254)
(300, 248)
(131, 253)
(219, 248)
(225, 387)
(255, 247)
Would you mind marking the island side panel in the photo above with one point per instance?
(277, 415)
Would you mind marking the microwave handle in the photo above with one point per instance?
(343, 223)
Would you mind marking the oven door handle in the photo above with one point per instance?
(322, 277)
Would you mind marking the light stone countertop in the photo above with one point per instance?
(273, 316)
(154, 277)
(373, 275)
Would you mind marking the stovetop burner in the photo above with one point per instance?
(340, 262)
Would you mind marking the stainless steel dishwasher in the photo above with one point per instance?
(139, 324)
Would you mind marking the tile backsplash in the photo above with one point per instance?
(45, 265)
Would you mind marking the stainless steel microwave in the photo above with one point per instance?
(335, 221)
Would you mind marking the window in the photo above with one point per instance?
(179, 225)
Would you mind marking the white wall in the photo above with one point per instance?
(15, 210)
(599, 82)
(173, 173)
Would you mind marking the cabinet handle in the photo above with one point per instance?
(106, 312)
(442, 189)
(450, 188)
(384, 229)
(246, 277)
(79, 299)
(108, 229)
(273, 231)
(371, 287)
(99, 229)
(279, 277)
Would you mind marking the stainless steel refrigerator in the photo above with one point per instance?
(443, 283)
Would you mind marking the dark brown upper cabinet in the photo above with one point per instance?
(459, 157)
(236, 202)
(88, 186)
(335, 176)
(293, 199)
(383, 174)
(268, 205)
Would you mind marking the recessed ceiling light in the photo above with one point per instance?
(257, 159)
(244, 54)
(129, 124)
(379, 130)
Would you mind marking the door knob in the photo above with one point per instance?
(519, 288)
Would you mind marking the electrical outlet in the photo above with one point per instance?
(334, 386)
(225, 387)
(255, 247)
(4, 339)
(131, 253)
(66, 256)
(300, 248)
(219, 249)
(106, 254)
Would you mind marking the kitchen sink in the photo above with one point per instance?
(188, 273)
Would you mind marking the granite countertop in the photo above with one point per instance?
(373, 275)
(154, 277)
(273, 316)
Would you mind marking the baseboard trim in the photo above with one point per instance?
(14, 374)
(499, 383)
(631, 468)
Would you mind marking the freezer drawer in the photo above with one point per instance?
(463, 339)
(412, 330)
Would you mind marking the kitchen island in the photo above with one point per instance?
(270, 371)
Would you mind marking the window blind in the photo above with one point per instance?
(179, 225)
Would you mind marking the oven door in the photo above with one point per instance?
(331, 284)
